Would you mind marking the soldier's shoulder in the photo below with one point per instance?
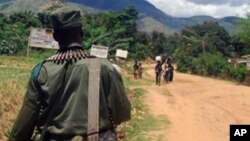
(106, 63)
(38, 73)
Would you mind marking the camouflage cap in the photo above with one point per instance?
(66, 20)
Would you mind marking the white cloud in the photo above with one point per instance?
(219, 2)
(185, 8)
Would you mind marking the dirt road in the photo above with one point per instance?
(199, 108)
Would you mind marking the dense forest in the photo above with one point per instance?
(200, 49)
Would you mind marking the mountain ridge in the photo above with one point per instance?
(147, 13)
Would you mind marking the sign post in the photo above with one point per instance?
(121, 53)
(99, 51)
(41, 38)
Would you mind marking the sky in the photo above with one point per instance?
(214, 8)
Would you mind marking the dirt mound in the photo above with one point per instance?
(149, 60)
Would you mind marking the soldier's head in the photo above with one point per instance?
(67, 27)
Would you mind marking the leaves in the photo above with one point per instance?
(206, 37)
(115, 30)
(244, 33)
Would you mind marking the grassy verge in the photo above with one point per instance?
(142, 121)
(14, 75)
(131, 82)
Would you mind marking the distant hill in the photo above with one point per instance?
(150, 18)
(35, 6)
(148, 24)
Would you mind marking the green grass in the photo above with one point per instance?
(141, 124)
(14, 74)
(138, 92)
(142, 121)
(12, 88)
(129, 81)
(130, 70)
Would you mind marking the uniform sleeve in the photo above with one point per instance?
(117, 99)
(25, 122)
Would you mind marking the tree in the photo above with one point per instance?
(127, 18)
(14, 31)
(195, 39)
(44, 19)
(206, 37)
(27, 18)
(244, 33)
(115, 30)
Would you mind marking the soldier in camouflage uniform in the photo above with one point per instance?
(63, 79)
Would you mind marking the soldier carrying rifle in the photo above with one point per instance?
(56, 104)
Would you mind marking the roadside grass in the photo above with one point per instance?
(142, 121)
(14, 74)
(12, 88)
(131, 82)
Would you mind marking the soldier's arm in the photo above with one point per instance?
(117, 100)
(25, 122)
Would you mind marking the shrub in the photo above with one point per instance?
(211, 65)
(7, 48)
(183, 62)
(241, 73)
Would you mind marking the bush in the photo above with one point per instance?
(211, 65)
(184, 63)
(241, 73)
(7, 48)
(237, 73)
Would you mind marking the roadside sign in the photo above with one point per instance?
(121, 53)
(99, 51)
(42, 38)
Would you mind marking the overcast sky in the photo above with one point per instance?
(215, 8)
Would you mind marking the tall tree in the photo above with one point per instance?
(115, 30)
(207, 37)
(244, 33)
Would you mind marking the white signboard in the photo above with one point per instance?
(158, 58)
(42, 38)
(248, 65)
(99, 51)
(121, 53)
